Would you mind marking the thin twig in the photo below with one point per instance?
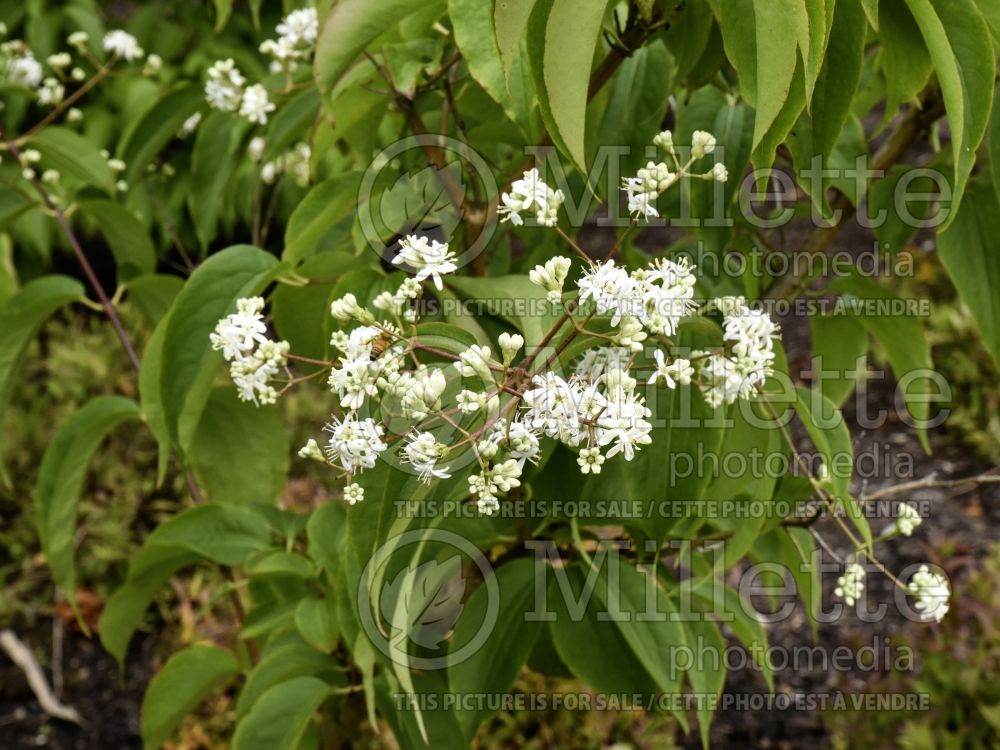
(930, 482)
(21, 656)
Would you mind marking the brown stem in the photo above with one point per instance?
(88, 270)
(68, 102)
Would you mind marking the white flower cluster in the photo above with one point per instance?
(907, 520)
(226, 90)
(122, 44)
(531, 194)
(652, 180)
(749, 335)
(429, 258)
(654, 298)
(932, 593)
(851, 584)
(551, 277)
(253, 358)
(296, 40)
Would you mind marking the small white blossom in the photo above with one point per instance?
(354, 493)
(429, 258)
(24, 71)
(677, 372)
(312, 450)
(122, 44)
(255, 105)
(551, 277)
(474, 361)
(510, 345)
(51, 92)
(59, 60)
(530, 193)
(78, 39)
(355, 444)
(907, 520)
(851, 584)
(665, 140)
(423, 451)
(702, 143)
(932, 593)
(224, 88)
(189, 125)
(590, 460)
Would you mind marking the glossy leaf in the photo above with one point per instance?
(281, 715)
(67, 151)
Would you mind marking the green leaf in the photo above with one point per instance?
(968, 252)
(239, 451)
(326, 205)
(291, 123)
(741, 618)
(21, 318)
(839, 345)
(782, 27)
(902, 336)
(959, 43)
(490, 669)
(905, 59)
(157, 127)
(316, 620)
(350, 27)
(828, 432)
(189, 364)
(153, 294)
(281, 715)
(214, 158)
(472, 21)
(562, 35)
(688, 36)
(151, 397)
(71, 153)
(592, 647)
(60, 480)
(284, 657)
(708, 675)
(325, 532)
(839, 76)
(222, 534)
(133, 250)
(510, 25)
(190, 676)
(532, 314)
(223, 9)
(656, 642)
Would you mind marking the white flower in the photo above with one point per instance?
(429, 258)
(189, 125)
(116, 165)
(719, 172)
(254, 359)
(59, 60)
(240, 332)
(154, 63)
(932, 593)
(510, 345)
(51, 92)
(77, 74)
(907, 520)
(422, 394)
(31, 156)
(595, 362)
(665, 140)
(702, 143)
(630, 335)
(354, 444)
(851, 584)
(123, 44)
(677, 372)
(255, 105)
(647, 185)
(624, 423)
(347, 308)
(255, 149)
(667, 291)
(531, 193)
(24, 71)
(551, 277)
(423, 451)
(469, 402)
(312, 450)
(475, 361)
(224, 88)
(354, 493)
(78, 39)
(74, 115)
(590, 460)
(612, 290)
(299, 27)
(50, 176)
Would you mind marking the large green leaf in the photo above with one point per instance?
(133, 250)
(325, 206)
(186, 680)
(472, 21)
(157, 127)
(281, 715)
(782, 27)
(239, 452)
(222, 534)
(153, 294)
(350, 27)
(188, 362)
(905, 59)
(510, 25)
(284, 657)
(839, 344)
(490, 669)
(902, 336)
(828, 432)
(562, 35)
(215, 156)
(71, 153)
(22, 316)
(839, 76)
(969, 253)
(60, 480)
(960, 46)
